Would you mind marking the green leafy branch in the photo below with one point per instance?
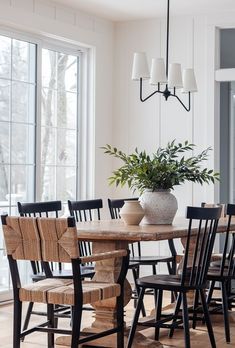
(163, 170)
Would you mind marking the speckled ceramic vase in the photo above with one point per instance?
(132, 212)
(159, 206)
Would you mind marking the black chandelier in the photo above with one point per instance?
(169, 77)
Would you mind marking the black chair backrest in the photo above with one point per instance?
(200, 239)
(40, 208)
(227, 265)
(85, 210)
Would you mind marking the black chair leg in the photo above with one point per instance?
(195, 306)
(135, 319)
(225, 311)
(17, 323)
(229, 291)
(120, 322)
(137, 289)
(177, 308)
(159, 294)
(207, 319)
(186, 321)
(50, 318)
(27, 318)
(210, 293)
(172, 271)
(76, 325)
(134, 274)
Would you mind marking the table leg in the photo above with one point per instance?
(105, 311)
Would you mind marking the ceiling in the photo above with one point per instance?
(121, 10)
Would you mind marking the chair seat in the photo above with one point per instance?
(151, 260)
(214, 273)
(133, 264)
(61, 291)
(86, 272)
(164, 282)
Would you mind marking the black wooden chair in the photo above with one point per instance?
(47, 209)
(22, 232)
(136, 257)
(223, 272)
(85, 210)
(193, 276)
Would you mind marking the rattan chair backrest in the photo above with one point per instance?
(40, 239)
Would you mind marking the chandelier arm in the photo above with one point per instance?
(150, 95)
(189, 101)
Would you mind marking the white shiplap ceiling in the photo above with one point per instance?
(121, 10)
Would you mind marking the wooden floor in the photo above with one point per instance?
(199, 337)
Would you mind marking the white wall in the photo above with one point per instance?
(51, 20)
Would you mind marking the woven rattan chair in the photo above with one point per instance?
(192, 277)
(27, 238)
(47, 209)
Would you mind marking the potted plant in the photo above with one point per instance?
(155, 175)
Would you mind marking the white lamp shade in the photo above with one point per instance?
(140, 67)
(158, 71)
(175, 76)
(189, 81)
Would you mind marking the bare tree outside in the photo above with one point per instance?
(59, 110)
(17, 115)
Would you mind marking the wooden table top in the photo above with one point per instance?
(108, 230)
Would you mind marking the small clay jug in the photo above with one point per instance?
(132, 212)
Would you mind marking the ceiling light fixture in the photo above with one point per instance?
(169, 76)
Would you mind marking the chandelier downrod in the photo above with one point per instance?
(167, 36)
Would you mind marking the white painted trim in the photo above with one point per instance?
(225, 75)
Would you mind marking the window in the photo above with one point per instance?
(39, 126)
(59, 101)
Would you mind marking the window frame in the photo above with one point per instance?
(85, 113)
(85, 109)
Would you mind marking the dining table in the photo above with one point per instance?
(108, 235)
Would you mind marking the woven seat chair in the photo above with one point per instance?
(27, 238)
(47, 209)
(200, 242)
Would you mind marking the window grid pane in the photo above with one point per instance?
(59, 126)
